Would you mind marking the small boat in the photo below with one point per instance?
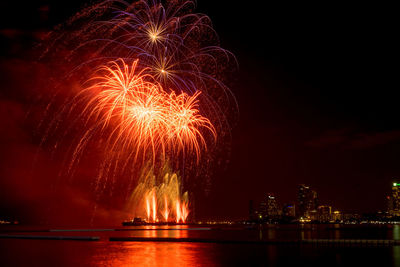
(139, 222)
(134, 222)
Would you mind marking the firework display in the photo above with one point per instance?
(149, 91)
(159, 198)
(147, 118)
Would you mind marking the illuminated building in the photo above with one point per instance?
(324, 213)
(389, 204)
(308, 201)
(289, 211)
(272, 207)
(351, 217)
(395, 205)
(336, 216)
(269, 208)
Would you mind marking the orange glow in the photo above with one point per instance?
(185, 212)
(148, 208)
(178, 211)
(166, 210)
(154, 207)
(162, 201)
(181, 211)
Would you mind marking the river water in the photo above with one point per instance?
(237, 250)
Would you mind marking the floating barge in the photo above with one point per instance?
(141, 222)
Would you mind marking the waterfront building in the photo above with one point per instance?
(324, 213)
(389, 204)
(269, 209)
(289, 211)
(336, 216)
(312, 215)
(395, 199)
(272, 207)
(307, 201)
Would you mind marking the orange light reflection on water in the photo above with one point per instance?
(154, 253)
(151, 254)
(156, 231)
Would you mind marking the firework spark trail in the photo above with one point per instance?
(166, 209)
(177, 47)
(148, 119)
(159, 199)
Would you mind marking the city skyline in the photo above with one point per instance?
(307, 207)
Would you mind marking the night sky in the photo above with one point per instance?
(317, 94)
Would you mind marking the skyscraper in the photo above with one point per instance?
(308, 201)
(269, 208)
(324, 213)
(395, 205)
(289, 211)
(272, 207)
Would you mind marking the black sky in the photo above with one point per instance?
(317, 91)
(318, 101)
